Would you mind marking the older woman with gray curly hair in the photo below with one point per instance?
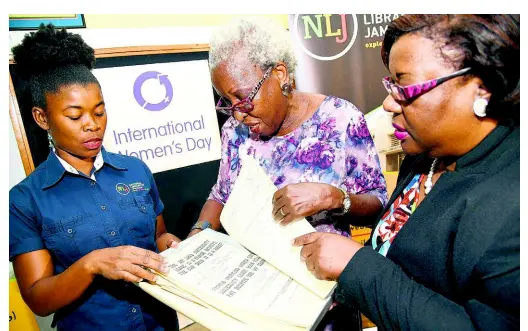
(315, 148)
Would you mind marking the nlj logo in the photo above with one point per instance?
(331, 29)
(122, 189)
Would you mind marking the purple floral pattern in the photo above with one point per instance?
(314, 152)
(334, 146)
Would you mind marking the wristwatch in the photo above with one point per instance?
(346, 202)
(201, 225)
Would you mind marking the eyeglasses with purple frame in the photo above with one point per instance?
(407, 93)
(246, 105)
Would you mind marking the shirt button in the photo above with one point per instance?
(112, 233)
(134, 310)
(92, 184)
(143, 208)
(70, 230)
(103, 207)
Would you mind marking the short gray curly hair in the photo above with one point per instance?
(264, 40)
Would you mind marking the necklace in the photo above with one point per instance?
(429, 181)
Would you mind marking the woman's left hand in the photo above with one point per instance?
(295, 201)
(326, 254)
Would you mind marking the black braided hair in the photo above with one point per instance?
(51, 58)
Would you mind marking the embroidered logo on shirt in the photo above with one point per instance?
(139, 186)
(122, 189)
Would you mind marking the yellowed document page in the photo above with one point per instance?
(211, 318)
(247, 217)
(224, 275)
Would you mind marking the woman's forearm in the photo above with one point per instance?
(51, 293)
(364, 208)
(211, 212)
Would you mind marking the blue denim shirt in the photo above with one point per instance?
(71, 215)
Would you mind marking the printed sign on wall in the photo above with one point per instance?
(162, 113)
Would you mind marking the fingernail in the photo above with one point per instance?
(164, 268)
(140, 280)
(292, 242)
(174, 244)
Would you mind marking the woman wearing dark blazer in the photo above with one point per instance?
(445, 253)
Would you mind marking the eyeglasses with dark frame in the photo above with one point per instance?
(246, 105)
(410, 92)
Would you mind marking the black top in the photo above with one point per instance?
(455, 264)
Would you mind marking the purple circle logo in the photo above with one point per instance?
(163, 81)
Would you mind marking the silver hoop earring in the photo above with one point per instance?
(479, 107)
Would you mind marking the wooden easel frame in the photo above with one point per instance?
(14, 110)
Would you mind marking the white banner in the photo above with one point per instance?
(161, 113)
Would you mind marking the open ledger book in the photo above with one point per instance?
(252, 279)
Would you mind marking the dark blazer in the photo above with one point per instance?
(455, 264)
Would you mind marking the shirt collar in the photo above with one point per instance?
(98, 163)
(56, 167)
(469, 162)
(492, 140)
(112, 160)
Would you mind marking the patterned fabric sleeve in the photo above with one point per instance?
(221, 190)
(363, 170)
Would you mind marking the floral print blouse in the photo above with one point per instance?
(334, 147)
